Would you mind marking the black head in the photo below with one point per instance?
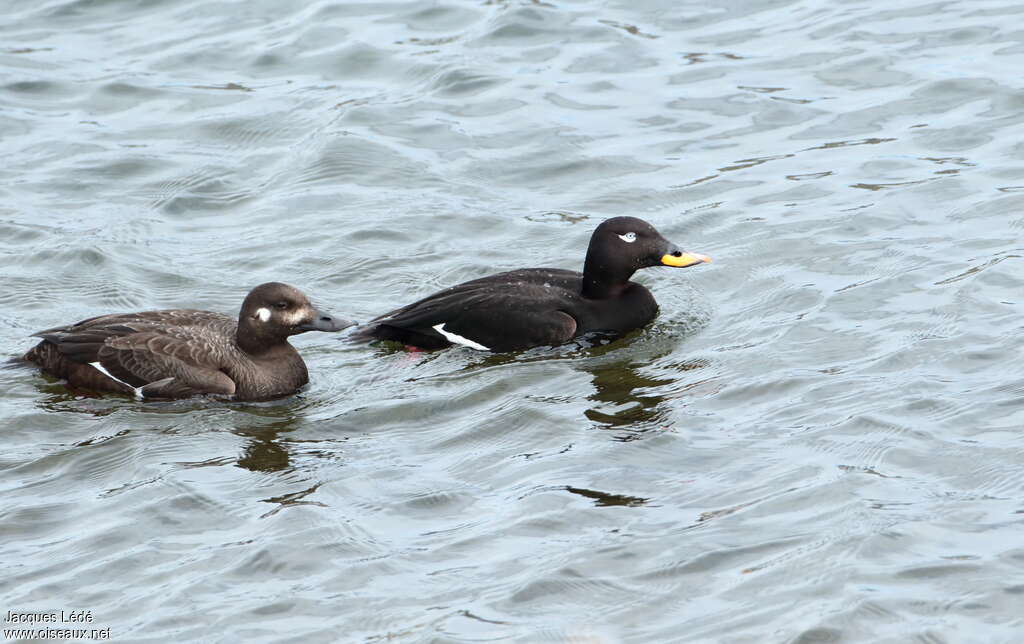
(622, 245)
(274, 311)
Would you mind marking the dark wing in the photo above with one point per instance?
(493, 330)
(504, 312)
(159, 351)
(166, 366)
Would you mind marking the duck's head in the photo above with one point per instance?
(635, 243)
(280, 310)
(622, 245)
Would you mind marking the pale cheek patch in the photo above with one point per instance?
(263, 314)
(455, 338)
(296, 318)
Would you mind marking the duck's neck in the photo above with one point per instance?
(601, 280)
(255, 341)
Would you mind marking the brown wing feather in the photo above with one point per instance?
(146, 348)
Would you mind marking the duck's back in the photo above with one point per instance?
(192, 336)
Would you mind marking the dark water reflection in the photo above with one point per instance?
(264, 451)
(605, 498)
(817, 439)
(626, 396)
(616, 385)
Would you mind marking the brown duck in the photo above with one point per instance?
(184, 352)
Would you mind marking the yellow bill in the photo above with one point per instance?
(684, 259)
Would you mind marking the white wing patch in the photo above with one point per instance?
(455, 338)
(103, 370)
(263, 314)
(629, 238)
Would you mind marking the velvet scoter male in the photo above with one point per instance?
(533, 307)
(183, 352)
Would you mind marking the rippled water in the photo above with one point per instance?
(819, 439)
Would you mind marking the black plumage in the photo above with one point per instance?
(184, 352)
(542, 306)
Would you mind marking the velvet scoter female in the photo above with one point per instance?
(183, 352)
(533, 307)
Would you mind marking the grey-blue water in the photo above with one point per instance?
(818, 440)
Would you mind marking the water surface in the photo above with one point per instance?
(817, 440)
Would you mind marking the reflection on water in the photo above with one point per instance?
(605, 498)
(616, 386)
(292, 499)
(264, 451)
(627, 398)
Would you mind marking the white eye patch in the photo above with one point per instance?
(629, 238)
(263, 314)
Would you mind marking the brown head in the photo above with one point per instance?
(274, 311)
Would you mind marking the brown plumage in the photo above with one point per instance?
(184, 352)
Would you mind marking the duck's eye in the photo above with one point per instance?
(280, 306)
(629, 238)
